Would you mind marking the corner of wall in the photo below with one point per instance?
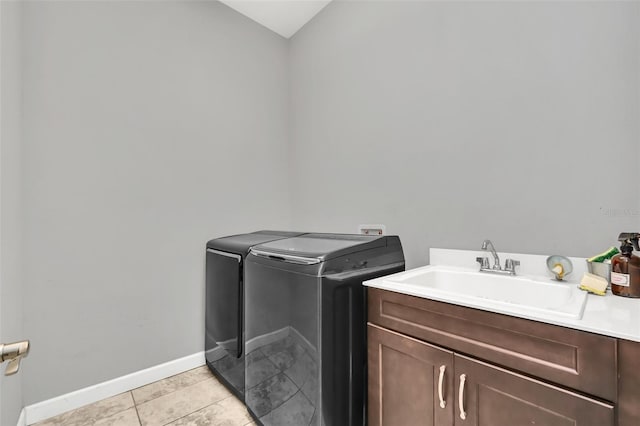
(11, 300)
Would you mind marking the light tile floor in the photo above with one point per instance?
(194, 397)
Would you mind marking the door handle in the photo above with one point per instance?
(13, 352)
(443, 403)
(463, 413)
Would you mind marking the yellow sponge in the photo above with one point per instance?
(594, 284)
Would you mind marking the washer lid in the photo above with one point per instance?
(241, 243)
(316, 248)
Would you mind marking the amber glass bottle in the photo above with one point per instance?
(625, 272)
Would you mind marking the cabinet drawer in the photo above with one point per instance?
(576, 359)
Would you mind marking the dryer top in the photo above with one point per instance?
(318, 248)
(241, 243)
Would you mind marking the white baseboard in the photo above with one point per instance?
(22, 420)
(70, 401)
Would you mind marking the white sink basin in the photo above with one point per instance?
(500, 293)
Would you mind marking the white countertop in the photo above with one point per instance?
(608, 315)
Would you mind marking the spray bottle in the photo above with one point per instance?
(625, 267)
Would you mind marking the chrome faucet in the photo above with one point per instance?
(496, 259)
(509, 264)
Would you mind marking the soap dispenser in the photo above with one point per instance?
(625, 267)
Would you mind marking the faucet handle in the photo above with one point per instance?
(510, 265)
(483, 261)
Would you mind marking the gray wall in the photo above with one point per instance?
(11, 289)
(451, 122)
(146, 126)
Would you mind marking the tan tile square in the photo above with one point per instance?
(171, 384)
(228, 412)
(91, 413)
(124, 418)
(182, 402)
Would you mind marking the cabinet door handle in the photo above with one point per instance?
(443, 403)
(463, 379)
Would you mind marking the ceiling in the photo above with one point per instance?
(284, 17)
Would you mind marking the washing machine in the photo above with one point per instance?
(305, 326)
(224, 346)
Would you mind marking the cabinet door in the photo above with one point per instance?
(410, 382)
(492, 396)
(629, 383)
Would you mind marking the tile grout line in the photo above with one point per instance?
(118, 412)
(212, 378)
(135, 407)
(173, 391)
(187, 415)
(133, 399)
(45, 422)
(137, 404)
(199, 409)
(166, 378)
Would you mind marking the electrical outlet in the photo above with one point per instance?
(372, 229)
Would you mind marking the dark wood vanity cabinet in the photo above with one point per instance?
(628, 406)
(408, 380)
(432, 363)
(494, 396)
